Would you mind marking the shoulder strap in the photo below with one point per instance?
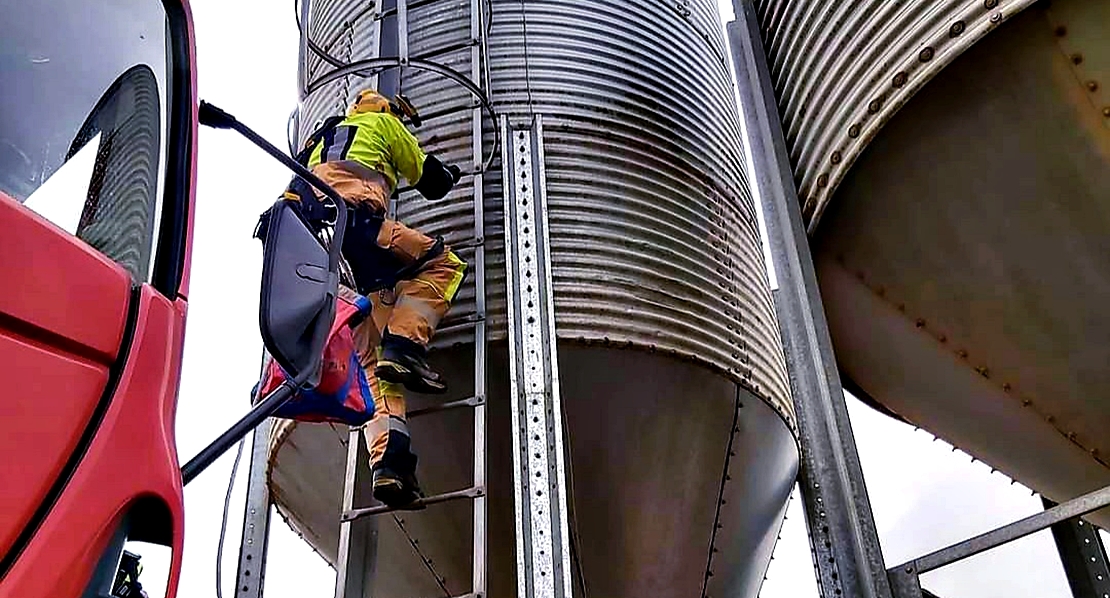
(328, 126)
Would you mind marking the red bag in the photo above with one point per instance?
(343, 395)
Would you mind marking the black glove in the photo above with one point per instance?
(437, 179)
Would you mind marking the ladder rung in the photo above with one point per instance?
(446, 50)
(466, 243)
(465, 173)
(411, 6)
(470, 402)
(353, 514)
(459, 324)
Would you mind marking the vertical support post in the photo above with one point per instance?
(389, 80)
(358, 539)
(542, 548)
(1083, 556)
(842, 533)
(481, 542)
(251, 574)
(302, 51)
(402, 31)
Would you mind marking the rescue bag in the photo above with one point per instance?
(343, 395)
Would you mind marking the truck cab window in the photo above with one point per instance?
(83, 121)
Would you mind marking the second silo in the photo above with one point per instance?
(677, 409)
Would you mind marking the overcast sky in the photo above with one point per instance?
(924, 494)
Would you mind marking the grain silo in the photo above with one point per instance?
(676, 415)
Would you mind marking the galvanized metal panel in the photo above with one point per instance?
(842, 69)
(652, 475)
(965, 260)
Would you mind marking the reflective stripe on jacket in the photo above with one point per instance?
(376, 140)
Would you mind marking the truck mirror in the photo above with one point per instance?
(297, 303)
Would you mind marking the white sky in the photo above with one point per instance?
(924, 494)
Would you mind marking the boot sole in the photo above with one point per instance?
(393, 494)
(391, 371)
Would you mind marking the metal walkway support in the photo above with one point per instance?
(256, 519)
(539, 480)
(842, 533)
(1083, 557)
(905, 578)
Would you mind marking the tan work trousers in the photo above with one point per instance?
(389, 398)
(422, 300)
(412, 310)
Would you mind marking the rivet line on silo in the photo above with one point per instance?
(1076, 61)
(1006, 387)
(877, 106)
(721, 501)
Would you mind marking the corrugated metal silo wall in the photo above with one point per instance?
(842, 69)
(655, 242)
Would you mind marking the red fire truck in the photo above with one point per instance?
(98, 125)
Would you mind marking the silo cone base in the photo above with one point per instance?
(654, 486)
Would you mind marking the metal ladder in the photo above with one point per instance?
(357, 534)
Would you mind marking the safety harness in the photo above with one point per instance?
(373, 267)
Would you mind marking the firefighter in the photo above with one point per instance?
(362, 157)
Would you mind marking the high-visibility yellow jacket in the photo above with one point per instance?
(376, 140)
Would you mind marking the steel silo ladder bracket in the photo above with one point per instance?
(539, 480)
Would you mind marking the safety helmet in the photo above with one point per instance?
(369, 100)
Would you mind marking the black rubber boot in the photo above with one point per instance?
(395, 482)
(403, 362)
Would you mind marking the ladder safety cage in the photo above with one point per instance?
(356, 539)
